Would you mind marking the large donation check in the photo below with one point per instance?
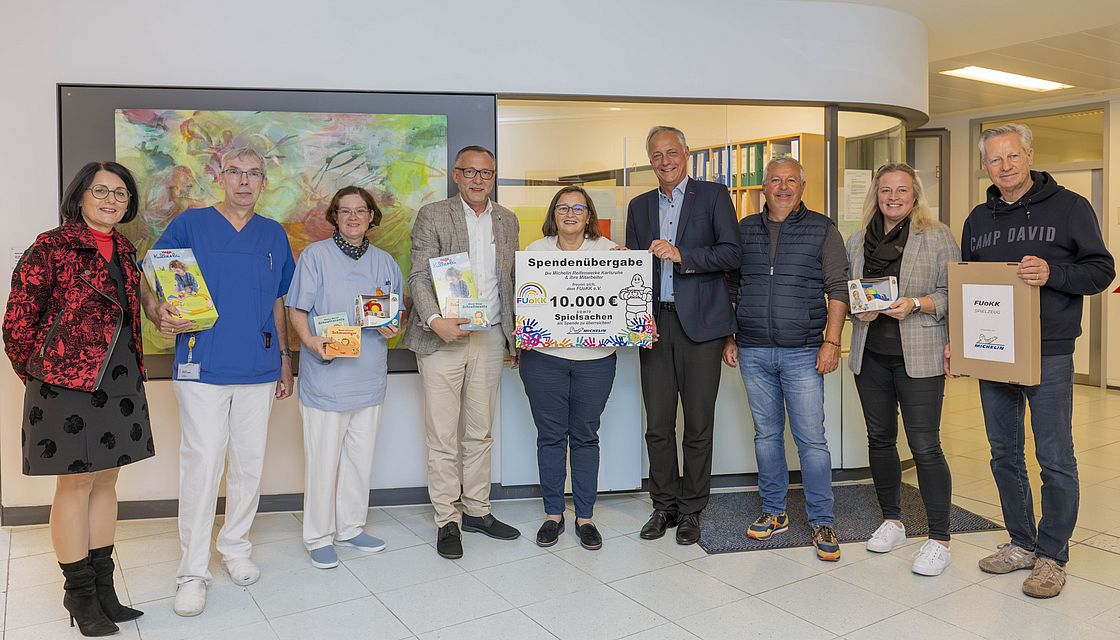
(591, 299)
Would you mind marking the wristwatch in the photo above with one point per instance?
(917, 305)
(286, 352)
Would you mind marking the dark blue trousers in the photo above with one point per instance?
(567, 398)
(1051, 404)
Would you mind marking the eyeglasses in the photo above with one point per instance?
(253, 174)
(469, 173)
(357, 213)
(571, 210)
(100, 191)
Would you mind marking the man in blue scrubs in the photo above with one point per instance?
(226, 377)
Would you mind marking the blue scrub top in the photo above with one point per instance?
(328, 281)
(245, 271)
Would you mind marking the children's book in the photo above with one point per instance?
(872, 294)
(347, 341)
(175, 277)
(323, 322)
(474, 310)
(454, 282)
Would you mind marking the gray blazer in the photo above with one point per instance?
(924, 272)
(441, 229)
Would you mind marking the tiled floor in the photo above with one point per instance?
(630, 589)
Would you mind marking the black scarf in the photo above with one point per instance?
(349, 249)
(882, 253)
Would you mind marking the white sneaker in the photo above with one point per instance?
(243, 571)
(888, 537)
(190, 599)
(931, 559)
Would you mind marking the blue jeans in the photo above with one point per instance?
(567, 398)
(780, 379)
(1051, 403)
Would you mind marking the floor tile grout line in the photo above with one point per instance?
(1038, 605)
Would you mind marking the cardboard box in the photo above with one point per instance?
(994, 325)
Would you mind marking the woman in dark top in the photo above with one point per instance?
(897, 355)
(72, 333)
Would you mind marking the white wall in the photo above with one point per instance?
(964, 159)
(821, 52)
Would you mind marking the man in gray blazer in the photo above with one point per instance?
(461, 370)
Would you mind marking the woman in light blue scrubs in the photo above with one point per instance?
(340, 399)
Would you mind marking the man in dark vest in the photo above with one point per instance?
(788, 338)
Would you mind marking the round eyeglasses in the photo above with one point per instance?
(100, 191)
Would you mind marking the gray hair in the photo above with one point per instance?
(243, 152)
(477, 149)
(1022, 130)
(662, 128)
(776, 160)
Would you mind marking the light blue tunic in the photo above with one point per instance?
(327, 281)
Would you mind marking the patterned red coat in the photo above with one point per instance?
(63, 318)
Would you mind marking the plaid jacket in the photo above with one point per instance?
(924, 272)
(441, 229)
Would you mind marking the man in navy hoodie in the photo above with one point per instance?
(1054, 235)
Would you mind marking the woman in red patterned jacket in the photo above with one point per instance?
(72, 332)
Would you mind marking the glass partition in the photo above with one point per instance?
(867, 141)
(545, 144)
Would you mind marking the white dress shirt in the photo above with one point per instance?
(483, 257)
(480, 231)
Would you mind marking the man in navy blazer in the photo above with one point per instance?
(690, 226)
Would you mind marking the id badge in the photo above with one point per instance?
(189, 371)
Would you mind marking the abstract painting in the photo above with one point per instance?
(175, 155)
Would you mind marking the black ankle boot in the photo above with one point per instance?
(102, 562)
(81, 600)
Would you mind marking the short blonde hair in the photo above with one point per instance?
(921, 218)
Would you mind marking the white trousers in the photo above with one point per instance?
(338, 450)
(216, 419)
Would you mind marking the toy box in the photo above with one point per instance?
(872, 294)
(378, 310)
(175, 277)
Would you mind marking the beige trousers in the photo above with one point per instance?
(461, 393)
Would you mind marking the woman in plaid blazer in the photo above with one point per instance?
(896, 354)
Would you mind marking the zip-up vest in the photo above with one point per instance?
(782, 305)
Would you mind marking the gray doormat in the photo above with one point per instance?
(725, 520)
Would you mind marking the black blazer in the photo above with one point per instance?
(708, 239)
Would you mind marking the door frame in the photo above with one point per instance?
(943, 172)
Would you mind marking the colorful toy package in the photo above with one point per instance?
(175, 277)
(872, 294)
(378, 310)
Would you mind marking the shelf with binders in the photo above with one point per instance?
(714, 164)
(751, 157)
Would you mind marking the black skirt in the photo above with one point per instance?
(70, 431)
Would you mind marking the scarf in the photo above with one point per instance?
(349, 249)
(882, 253)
